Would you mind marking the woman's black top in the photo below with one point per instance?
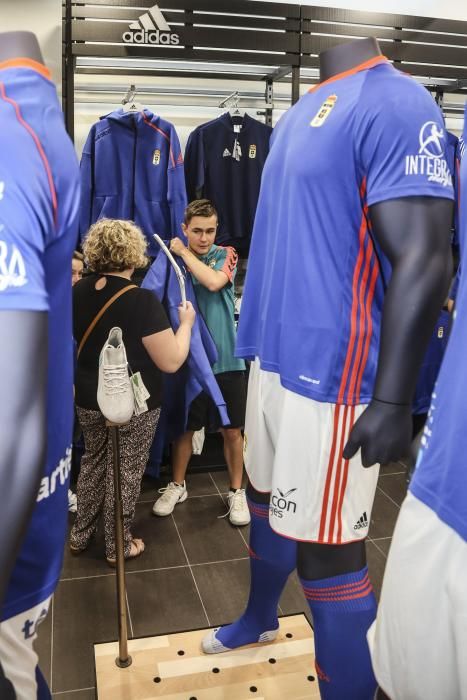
(138, 313)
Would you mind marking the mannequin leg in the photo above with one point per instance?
(335, 582)
(272, 559)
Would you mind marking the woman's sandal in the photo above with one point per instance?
(137, 548)
(77, 550)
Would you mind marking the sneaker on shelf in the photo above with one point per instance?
(171, 495)
(114, 393)
(239, 513)
(72, 501)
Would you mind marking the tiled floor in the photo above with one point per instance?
(193, 574)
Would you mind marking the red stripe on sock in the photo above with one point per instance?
(338, 598)
(342, 587)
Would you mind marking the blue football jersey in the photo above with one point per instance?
(311, 309)
(431, 364)
(440, 479)
(39, 201)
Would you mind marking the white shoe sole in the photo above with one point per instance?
(211, 645)
(239, 523)
(164, 515)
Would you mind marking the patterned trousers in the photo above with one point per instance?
(95, 488)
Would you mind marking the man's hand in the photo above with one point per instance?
(177, 246)
(383, 433)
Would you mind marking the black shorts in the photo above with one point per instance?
(203, 412)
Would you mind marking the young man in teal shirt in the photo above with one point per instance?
(213, 271)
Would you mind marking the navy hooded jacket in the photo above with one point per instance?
(132, 168)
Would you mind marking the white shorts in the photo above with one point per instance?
(419, 640)
(19, 660)
(293, 449)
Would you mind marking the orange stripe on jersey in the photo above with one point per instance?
(353, 313)
(36, 140)
(26, 63)
(369, 331)
(230, 263)
(344, 483)
(327, 487)
(458, 171)
(345, 74)
(362, 322)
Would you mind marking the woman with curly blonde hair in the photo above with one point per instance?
(113, 249)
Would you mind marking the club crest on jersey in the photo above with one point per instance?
(156, 157)
(252, 151)
(324, 111)
(441, 332)
(430, 160)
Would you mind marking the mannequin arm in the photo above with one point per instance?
(23, 436)
(414, 235)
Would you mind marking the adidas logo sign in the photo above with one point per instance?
(226, 153)
(151, 28)
(362, 522)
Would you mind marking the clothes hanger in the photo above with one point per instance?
(128, 103)
(231, 102)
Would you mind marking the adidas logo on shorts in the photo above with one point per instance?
(361, 522)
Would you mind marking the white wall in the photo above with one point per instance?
(44, 18)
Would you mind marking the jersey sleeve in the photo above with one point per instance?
(401, 142)
(87, 184)
(176, 192)
(153, 316)
(226, 261)
(26, 223)
(194, 165)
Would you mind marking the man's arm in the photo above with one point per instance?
(213, 280)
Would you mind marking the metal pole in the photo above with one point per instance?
(123, 660)
(295, 84)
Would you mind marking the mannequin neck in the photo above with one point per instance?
(344, 57)
(19, 45)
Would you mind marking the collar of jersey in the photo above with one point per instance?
(26, 63)
(226, 120)
(371, 63)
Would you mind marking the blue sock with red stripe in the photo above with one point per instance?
(272, 559)
(343, 608)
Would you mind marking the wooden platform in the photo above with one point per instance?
(173, 667)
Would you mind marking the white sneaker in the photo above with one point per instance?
(114, 392)
(72, 501)
(239, 513)
(211, 645)
(171, 495)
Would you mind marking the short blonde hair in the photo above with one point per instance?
(114, 245)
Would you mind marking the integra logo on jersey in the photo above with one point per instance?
(324, 111)
(281, 504)
(151, 28)
(59, 477)
(430, 159)
(12, 267)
